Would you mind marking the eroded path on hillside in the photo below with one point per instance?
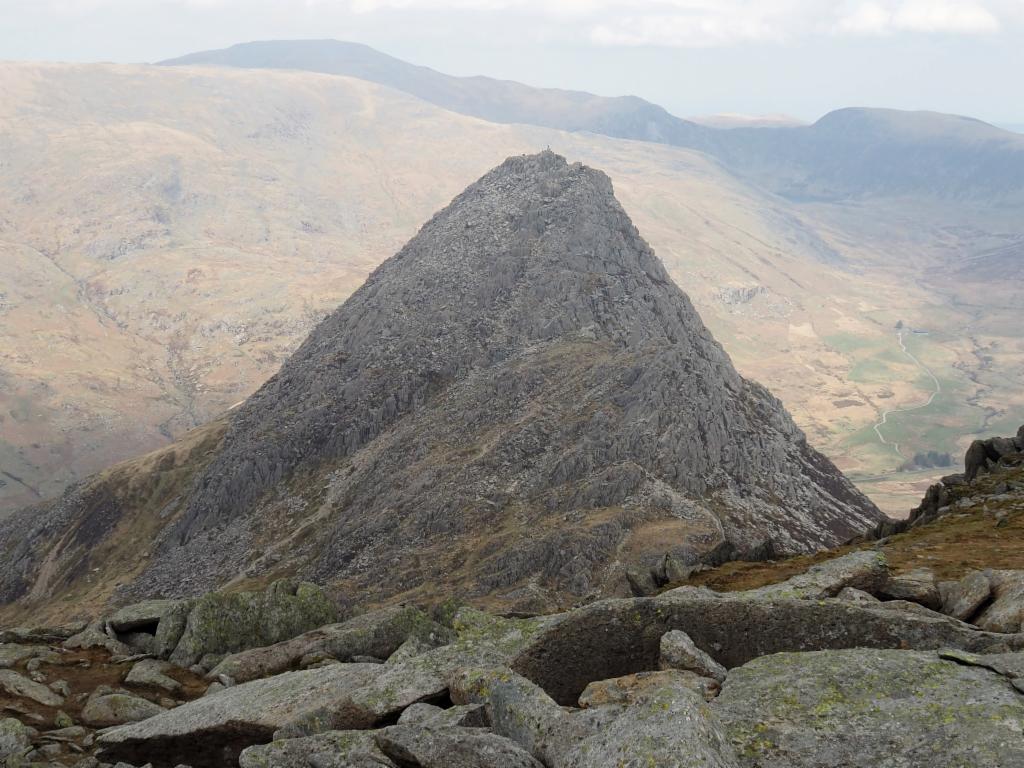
(906, 409)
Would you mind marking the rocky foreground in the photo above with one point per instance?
(846, 665)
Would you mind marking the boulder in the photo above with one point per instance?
(12, 654)
(19, 686)
(613, 638)
(110, 709)
(962, 599)
(229, 622)
(621, 691)
(152, 673)
(1006, 612)
(677, 651)
(519, 710)
(213, 730)
(468, 715)
(666, 724)
(42, 635)
(866, 570)
(858, 596)
(15, 740)
(862, 708)
(918, 586)
(144, 616)
(453, 747)
(378, 633)
(336, 749)
(95, 636)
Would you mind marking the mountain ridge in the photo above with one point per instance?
(827, 160)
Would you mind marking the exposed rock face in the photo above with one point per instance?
(517, 394)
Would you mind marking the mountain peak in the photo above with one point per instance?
(520, 398)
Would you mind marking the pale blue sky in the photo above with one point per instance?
(798, 57)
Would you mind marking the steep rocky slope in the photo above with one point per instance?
(517, 404)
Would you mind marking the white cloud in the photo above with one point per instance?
(949, 16)
(678, 23)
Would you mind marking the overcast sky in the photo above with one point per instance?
(797, 57)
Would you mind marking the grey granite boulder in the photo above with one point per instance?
(667, 725)
(453, 747)
(678, 651)
(869, 708)
(1006, 613)
(95, 636)
(152, 673)
(20, 686)
(12, 654)
(866, 570)
(918, 585)
(962, 599)
(621, 690)
(217, 728)
(378, 633)
(15, 739)
(228, 622)
(109, 709)
(336, 749)
(519, 710)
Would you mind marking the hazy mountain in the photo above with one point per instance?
(520, 398)
(851, 153)
(170, 235)
(500, 101)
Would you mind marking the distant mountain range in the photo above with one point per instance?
(850, 153)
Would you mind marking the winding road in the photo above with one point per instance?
(905, 409)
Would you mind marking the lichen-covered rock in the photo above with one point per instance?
(866, 570)
(336, 749)
(210, 731)
(95, 636)
(1006, 613)
(623, 690)
(519, 710)
(962, 599)
(15, 739)
(678, 651)
(110, 709)
(612, 638)
(20, 686)
(452, 747)
(146, 614)
(468, 715)
(667, 725)
(378, 633)
(918, 586)
(152, 673)
(870, 708)
(228, 622)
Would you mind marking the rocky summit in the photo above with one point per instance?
(519, 406)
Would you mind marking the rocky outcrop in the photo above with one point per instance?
(221, 623)
(516, 396)
(213, 730)
(377, 634)
(864, 708)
